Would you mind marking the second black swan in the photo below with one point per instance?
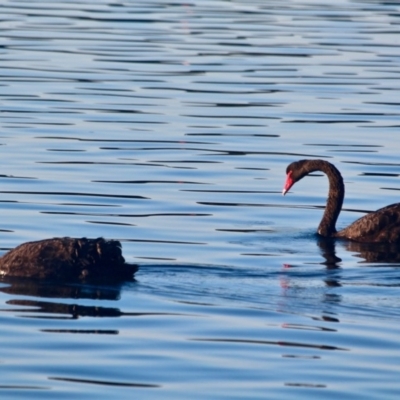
(67, 258)
(381, 226)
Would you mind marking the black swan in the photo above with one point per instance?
(67, 258)
(381, 226)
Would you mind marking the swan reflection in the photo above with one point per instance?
(367, 252)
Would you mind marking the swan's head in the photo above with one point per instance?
(294, 172)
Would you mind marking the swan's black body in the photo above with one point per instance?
(67, 258)
(381, 226)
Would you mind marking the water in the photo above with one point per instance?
(169, 126)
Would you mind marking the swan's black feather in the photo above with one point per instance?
(67, 258)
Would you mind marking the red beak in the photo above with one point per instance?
(288, 183)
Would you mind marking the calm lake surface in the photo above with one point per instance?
(169, 126)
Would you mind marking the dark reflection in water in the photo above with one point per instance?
(368, 252)
(104, 383)
(57, 289)
(168, 125)
(328, 251)
(376, 253)
(78, 292)
(381, 256)
(275, 343)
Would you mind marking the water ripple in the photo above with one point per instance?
(169, 126)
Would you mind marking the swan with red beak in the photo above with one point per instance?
(381, 226)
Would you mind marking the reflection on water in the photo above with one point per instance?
(169, 126)
(367, 252)
(58, 290)
(377, 253)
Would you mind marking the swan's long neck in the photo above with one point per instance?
(327, 226)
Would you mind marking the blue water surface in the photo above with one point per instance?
(169, 126)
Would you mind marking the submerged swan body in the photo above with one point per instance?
(381, 226)
(67, 258)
